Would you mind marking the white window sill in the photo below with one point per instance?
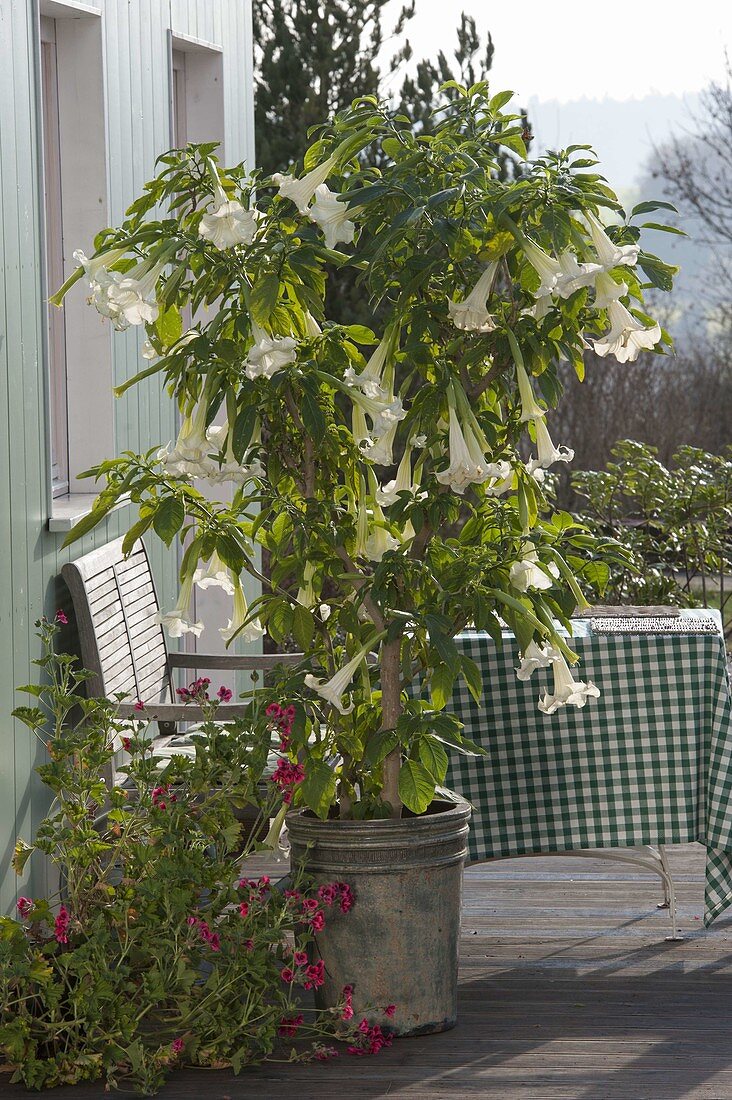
(69, 509)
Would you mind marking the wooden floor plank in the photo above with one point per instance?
(569, 991)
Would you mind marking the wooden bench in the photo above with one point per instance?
(124, 647)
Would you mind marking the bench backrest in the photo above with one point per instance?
(121, 643)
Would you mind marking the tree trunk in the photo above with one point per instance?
(391, 708)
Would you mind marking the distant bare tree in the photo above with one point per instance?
(696, 171)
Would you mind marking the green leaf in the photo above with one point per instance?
(263, 297)
(514, 142)
(659, 274)
(312, 415)
(136, 532)
(169, 517)
(416, 786)
(89, 522)
(243, 430)
(361, 335)
(379, 745)
(500, 100)
(442, 680)
(318, 788)
(664, 228)
(303, 626)
(434, 758)
(651, 205)
(472, 677)
(169, 326)
(21, 855)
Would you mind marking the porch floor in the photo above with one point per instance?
(569, 991)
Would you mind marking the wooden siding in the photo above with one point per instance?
(136, 48)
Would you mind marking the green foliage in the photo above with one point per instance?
(372, 569)
(155, 954)
(674, 524)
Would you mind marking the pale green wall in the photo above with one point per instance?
(137, 107)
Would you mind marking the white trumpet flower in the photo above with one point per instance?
(389, 493)
(97, 268)
(575, 275)
(253, 630)
(178, 621)
(189, 457)
(503, 481)
(230, 470)
(334, 689)
(133, 295)
(627, 336)
(547, 268)
(226, 223)
(384, 413)
(607, 290)
(536, 656)
(306, 592)
(312, 328)
(269, 354)
(567, 690)
(531, 572)
(530, 409)
(471, 315)
(380, 451)
(302, 190)
(215, 575)
(468, 465)
(332, 216)
(608, 253)
(374, 379)
(547, 453)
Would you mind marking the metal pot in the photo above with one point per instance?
(399, 944)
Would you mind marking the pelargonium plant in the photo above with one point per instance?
(159, 949)
(394, 474)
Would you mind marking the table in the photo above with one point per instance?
(648, 763)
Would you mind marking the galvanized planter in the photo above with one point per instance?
(399, 943)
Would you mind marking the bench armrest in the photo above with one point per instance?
(244, 662)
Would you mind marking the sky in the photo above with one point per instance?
(621, 76)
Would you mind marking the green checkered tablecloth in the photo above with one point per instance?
(649, 762)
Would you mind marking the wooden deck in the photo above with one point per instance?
(569, 991)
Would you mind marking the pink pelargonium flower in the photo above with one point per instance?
(317, 921)
(390, 1010)
(289, 1026)
(177, 1046)
(287, 974)
(225, 694)
(61, 925)
(314, 975)
(60, 617)
(24, 906)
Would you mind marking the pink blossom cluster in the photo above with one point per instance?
(311, 975)
(24, 906)
(257, 888)
(289, 1025)
(159, 795)
(211, 938)
(286, 776)
(340, 892)
(370, 1039)
(282, 719)
(196, 690)
(61, 925)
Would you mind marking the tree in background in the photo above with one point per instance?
(313, 57)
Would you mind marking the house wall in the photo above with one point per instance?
(137, 97)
